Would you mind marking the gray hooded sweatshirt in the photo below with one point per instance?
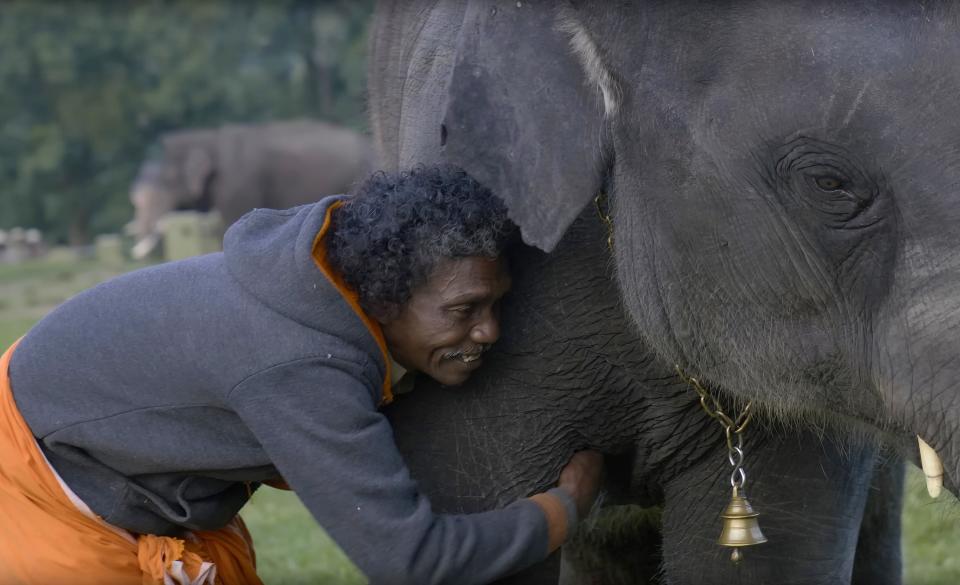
(163, 396)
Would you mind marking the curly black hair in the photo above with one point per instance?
(388, 237)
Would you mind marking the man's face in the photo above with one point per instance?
(450, 320)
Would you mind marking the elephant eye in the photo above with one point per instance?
(828, 183)
(827, 180)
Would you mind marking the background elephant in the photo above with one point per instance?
(235, 168)
(783, 185)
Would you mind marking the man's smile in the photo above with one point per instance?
(467, 356)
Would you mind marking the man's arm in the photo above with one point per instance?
(319, 424)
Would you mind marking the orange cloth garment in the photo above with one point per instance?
(45, 538)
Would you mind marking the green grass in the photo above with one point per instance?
(931, 535)
(11, 328)
(292, 549)
(52, 270)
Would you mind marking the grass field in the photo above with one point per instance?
(293, 550)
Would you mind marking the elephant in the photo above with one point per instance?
(237, 167)
(782, 183)
(568, 373)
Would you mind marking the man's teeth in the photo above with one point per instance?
(932, 468)
(466, 356)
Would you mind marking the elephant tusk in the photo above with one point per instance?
(932, 468)
(144, 247)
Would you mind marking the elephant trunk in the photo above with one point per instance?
(917, 368)
(150, 203)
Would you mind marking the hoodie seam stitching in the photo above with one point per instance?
(364, 364)
(213, 405)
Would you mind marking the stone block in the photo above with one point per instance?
(190, 233)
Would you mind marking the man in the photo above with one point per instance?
(141, 414)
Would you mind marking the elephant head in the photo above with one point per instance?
(178, 177)
(784, 180)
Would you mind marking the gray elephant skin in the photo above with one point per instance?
(783, 181)
(569, 373)
(238, 167)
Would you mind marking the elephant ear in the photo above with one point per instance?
(188, 154)
(522, 119)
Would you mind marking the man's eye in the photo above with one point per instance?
(462, 309)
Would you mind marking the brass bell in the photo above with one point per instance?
(740, 526)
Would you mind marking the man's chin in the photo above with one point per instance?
(452, 379)
(449, 381)
(454, 372)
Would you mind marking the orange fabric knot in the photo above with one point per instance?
(156, 555)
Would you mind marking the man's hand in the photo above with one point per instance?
(581, 479)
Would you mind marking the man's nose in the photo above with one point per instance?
(487, 330)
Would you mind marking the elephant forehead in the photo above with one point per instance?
(832, 67)
(880, 85)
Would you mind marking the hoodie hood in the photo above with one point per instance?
(270, 253)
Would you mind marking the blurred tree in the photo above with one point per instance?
(86, 87)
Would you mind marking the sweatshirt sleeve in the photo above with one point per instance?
(320, 426)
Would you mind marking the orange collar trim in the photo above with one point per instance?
(320, 259)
